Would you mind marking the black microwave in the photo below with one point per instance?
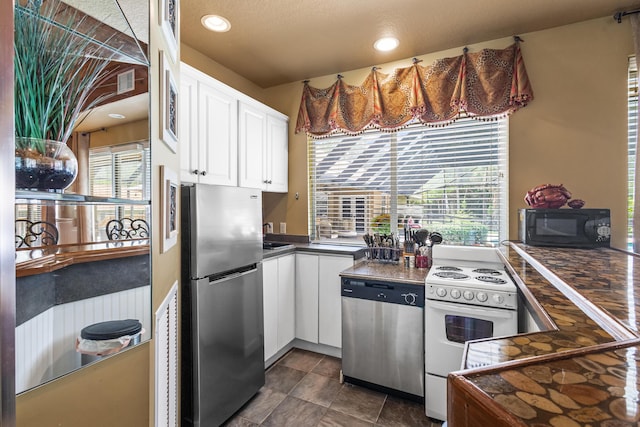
(573, 228)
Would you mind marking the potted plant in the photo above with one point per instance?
(56, 71)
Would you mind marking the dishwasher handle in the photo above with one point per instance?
(381, 285)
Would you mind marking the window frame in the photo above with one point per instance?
(120, 211)
(498, 135)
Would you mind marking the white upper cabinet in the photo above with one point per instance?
(252, 139)
(208, 131)
(229, 138)
(218, 136)
(263, 148)
(188, 128)
(276, 156)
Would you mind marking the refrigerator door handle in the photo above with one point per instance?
(225, 278)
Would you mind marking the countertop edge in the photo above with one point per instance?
(357, 252)
(607, 322)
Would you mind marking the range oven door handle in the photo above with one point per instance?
(454, 308)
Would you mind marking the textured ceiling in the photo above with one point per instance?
(109, 12)
(272, 42)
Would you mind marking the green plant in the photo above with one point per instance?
(55, 72)
(381, 224)
(463, 232)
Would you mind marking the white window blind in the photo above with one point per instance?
(632, 129)
(449, 179)
(122, 172)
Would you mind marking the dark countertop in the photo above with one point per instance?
(582, 372)
(356, 251)
(386, 272)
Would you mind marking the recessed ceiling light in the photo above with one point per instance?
(216, 23)
(386, 44)
(116, 116)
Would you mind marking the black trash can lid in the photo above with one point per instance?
(111, 329)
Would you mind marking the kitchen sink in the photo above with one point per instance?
(274, 245)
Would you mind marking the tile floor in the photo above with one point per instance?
(303, 389)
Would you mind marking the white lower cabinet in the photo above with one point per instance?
(318, 300)
(286, 300)
(270, 306)
(278, 301)
(330, 300)
(307, 297)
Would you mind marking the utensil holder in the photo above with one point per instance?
(383, 255)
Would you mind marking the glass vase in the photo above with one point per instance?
(44, 165)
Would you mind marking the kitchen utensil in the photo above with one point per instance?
(421, 236)
(435, 238)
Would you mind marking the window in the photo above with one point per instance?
(119, 171)
(632, 125)
(449, 179)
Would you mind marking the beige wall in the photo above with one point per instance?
(130, 132)
(574, 132)
(211, 67)
(111, 393)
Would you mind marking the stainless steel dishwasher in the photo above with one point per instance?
(383, 336)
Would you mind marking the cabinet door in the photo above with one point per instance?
(251, 142)
(277, 155)
(307, 297)
(286, 300)
(218, 132)
(329, 299)
(188, 127)
(270, 306)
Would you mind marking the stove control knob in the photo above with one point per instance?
(410, 298)
(499, 299)
(455, 293)
(468, 295)
(482, 297)
(441, 292)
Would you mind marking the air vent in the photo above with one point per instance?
(126, 81)
(166, 359)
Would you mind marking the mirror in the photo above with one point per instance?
(83, 259)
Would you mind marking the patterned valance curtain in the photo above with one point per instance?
(485, 85)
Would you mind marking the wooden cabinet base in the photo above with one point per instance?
(469, 407)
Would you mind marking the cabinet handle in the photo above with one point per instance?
(269, 182)
(196, 172)
(203, 173)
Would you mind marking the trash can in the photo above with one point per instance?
(107, 338)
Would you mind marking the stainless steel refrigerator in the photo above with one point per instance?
(222, 321)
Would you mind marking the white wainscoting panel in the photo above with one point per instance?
(34, 354)
(47, 343)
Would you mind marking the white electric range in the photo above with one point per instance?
(468, 296)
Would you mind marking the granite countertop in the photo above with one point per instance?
(386, 272)
(582, 372)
